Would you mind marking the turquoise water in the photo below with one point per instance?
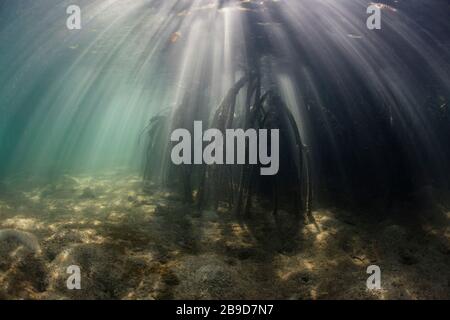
(74, 100)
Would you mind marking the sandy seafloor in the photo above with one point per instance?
(135, 245)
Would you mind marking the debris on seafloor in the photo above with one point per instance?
(25, 238)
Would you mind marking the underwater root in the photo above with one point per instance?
(25, 238)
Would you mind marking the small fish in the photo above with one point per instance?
(383, 6)
(175, 36)
(354, 36)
